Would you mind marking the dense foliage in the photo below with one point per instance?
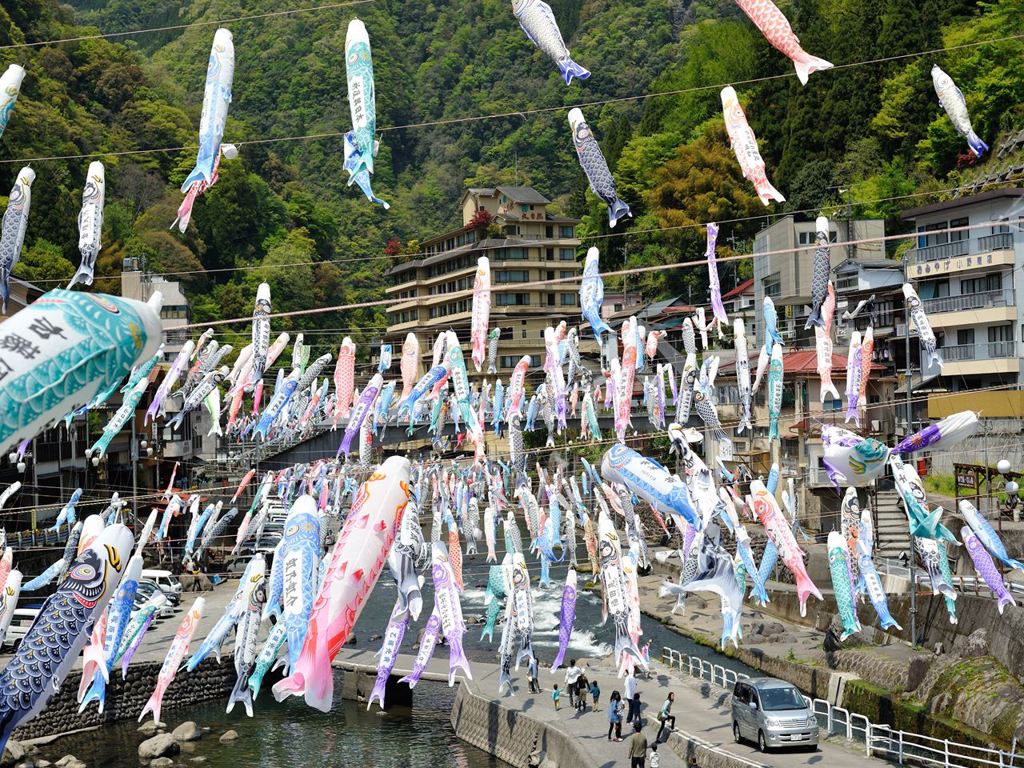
(859, 135)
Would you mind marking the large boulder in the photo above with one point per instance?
(161, 762)
(187, 731)
(13, 753)
(229, 736)
(974, 645)
(158, 746)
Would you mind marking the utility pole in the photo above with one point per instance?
(912, 554)
(35, 482)
(133, 456)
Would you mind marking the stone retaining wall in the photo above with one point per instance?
(126, 698)
(696, 752)
(524, 742)
(1005, 630)
(512, 736)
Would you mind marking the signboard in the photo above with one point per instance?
(966, 478)
(945, 266)
(725, 449)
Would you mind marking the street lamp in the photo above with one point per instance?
(1012, 502)
(908, 559)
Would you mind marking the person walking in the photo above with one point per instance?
(664, 716)
(555, 696)
(595, 693)
(630, 694)
(534, 682)
(615, 716)
(582, 689)
(634, 709)
(572, 676)
(637, 747)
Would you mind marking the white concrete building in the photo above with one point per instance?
(969, 281)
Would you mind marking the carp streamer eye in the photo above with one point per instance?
(83, 572)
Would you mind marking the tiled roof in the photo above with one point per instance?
(527, 195)
(802, 362)
(743, 287)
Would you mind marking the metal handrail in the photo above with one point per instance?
(939, 251)
(879, 739)
(1001, 241)
(967, 301)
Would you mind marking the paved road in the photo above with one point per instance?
(702, 711)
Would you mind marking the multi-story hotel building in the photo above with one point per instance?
(526, 245)
(968, 282)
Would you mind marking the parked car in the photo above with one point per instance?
(146, 591)
(772, 713)
(166, 580)
(21, 622)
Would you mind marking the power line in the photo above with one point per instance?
(577, 279)
(519, 112)
(175, 27)
(520, 243)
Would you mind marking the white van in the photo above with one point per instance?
(166, 580)
(21, 622)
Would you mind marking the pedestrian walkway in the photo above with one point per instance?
(704, 726)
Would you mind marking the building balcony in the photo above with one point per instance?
(939, 252)
(957, 256)
(1002, 241)
(972, 309)
(992, 357)
(992, 350)
(969, 301)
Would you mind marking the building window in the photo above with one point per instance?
(549, 254)
(772, 285)
(993, 282)
(568, 299)
(965, 336)
(567, 231)
(566, 273)
(962, 234)
(549, 232)
(938, 235)
(810, 238)
(513, 299)
(511, 276)
(513, 254)
(524, 208)
(407, 316)
(935, 289)
(1000, 333)
(551, 300)
(568, 254)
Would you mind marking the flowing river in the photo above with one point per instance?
(291, 733)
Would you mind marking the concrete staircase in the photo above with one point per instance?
(892, 535)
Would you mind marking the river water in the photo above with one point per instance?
(291, 733)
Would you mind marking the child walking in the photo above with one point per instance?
(555, 696)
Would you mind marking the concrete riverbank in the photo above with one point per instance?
(522, 729)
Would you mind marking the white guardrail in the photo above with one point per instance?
(878, 740)
(967, 584)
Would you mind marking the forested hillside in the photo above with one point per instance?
(858, 135)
